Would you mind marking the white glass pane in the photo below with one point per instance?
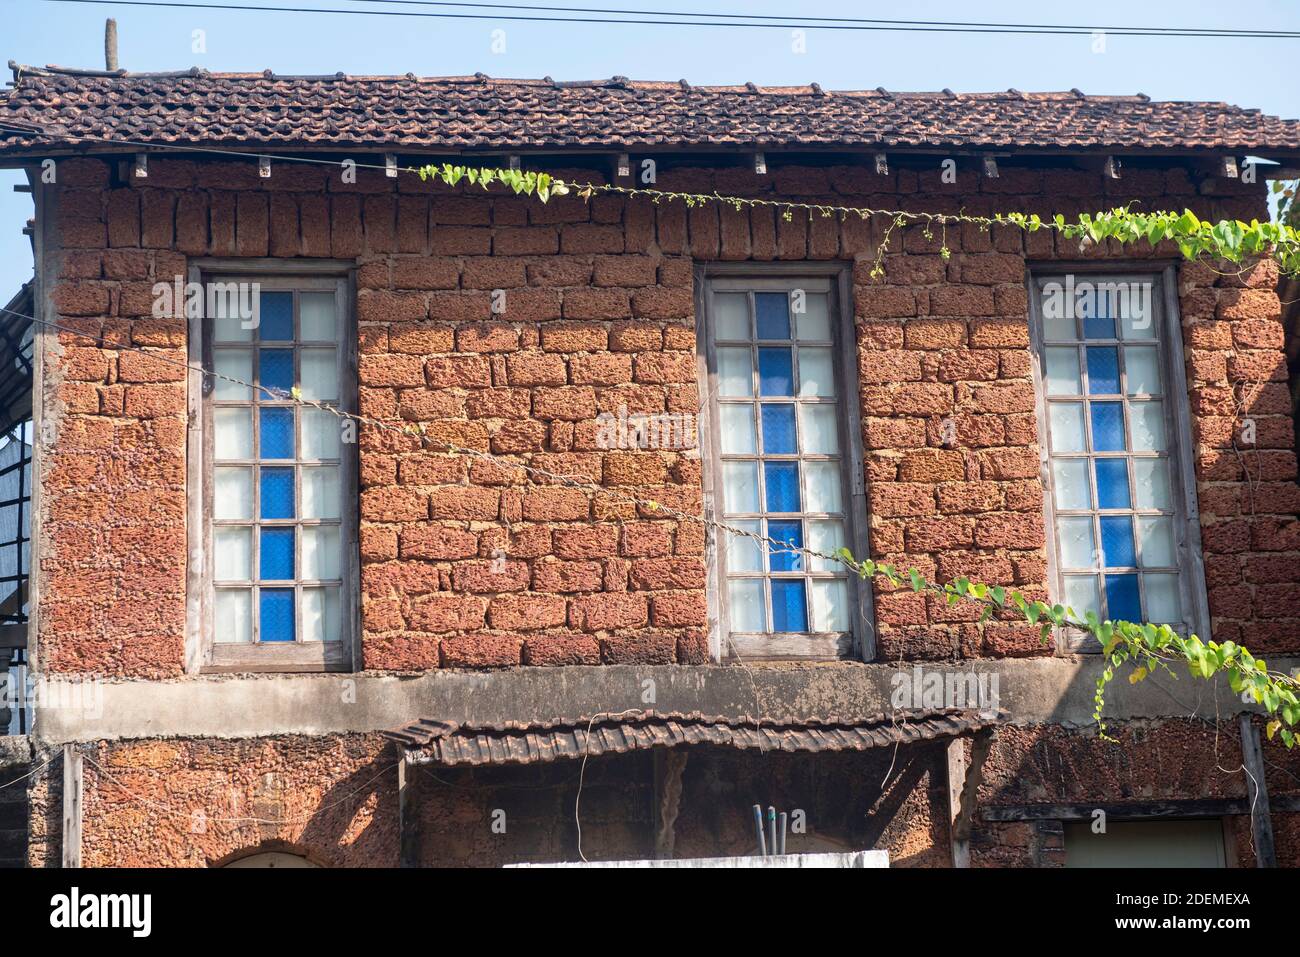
(320, 552)
(822, 486)
(1163, 603)
(1077, 547)
(815, 321)
(1147, 426)
(228, 325)
(1142, 371)
(1063, 371)
(320, 374)
(740, 487)
(232, 433)
(1151, 478)
(735, 371)
(232, 616)
(819, 426)
(320, 491)
(232, 493)
(1071, 479)
(316, 319)
(320, 614)
(737, 429)
(1136, 316)
(1156, 541)
(1080, 593)
(827, 538)
(816, 372)
(731, 311)
(320, 434)
(745, 603)
(1066, 424)
(743, 553)
(234, 550)
(830, 605)
(236, 363)
(1058, 313)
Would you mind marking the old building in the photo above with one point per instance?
(518, 631)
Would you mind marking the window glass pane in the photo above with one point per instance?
(781, 480)
(1156, 541)
(745, 604)
(232, 433)
(276, 561)
(775, 372)
(321, 495)
(1063, 371)
(232, 327)
(1122, 602)
(317, 316)
(826, 538)
(234, 550)
(1071, 479)
(277, 493)
(830, 604)
(735, 371)
(1107, 426)
(740, 486)
(1147, 424)
(789, 534)
(1098, 319)
(232, 616)
(320, 552)
(822, 486)
(238, 364)
(1058, 314)
(1151, 481)
(1066, 424)
(816, 372)
(1164, 605)
(320, 434)
(276, 615)
(743, 552)
(1112, 483)
(1117, 541)
(1136, 316)
(1080, 593)
(232, 493)
(276, 433)
(320, 614)
(778, 429)
(276, 371)
(276, 316)
(820, 429)
(789, 605)
(1142, 371)
(737, 436)
(1076, 541)
(731, 311)
(772, 315)
(1103, 370)
(320, 374)
(814, 323)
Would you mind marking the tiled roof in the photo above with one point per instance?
(481, 113)
(445, 742)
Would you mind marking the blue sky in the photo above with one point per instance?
(1235, 70)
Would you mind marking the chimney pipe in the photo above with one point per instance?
(110, 44)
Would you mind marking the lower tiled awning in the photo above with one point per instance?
(431, 741)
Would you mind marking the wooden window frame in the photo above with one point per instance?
(203, 653)
(1177, 414)
(832, 278)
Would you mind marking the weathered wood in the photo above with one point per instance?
(71, 806)
(669, 764)
(1261, 818)
(956, 780)
(407, 823)
(965, 814)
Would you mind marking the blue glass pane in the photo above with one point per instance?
(787, 533)
(1096, 328)
(1117, 541)
(1103, 370)
(778, 430)
(277, 433)
(1112, 483)
(276, 370)
(772, 310)
(1122, 603)
(1107, 427)
(275, 316)
(276, 562)
(774, 372)
(277, 615)
(789, 611)
(277, 493)
(782, 479)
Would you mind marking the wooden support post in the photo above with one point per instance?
(963, 783)
(71, 806)
(1261, 818)
(407, 820)
(669, 765)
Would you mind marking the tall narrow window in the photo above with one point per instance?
(276, 504)
(780, 448)
(1121, 539)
